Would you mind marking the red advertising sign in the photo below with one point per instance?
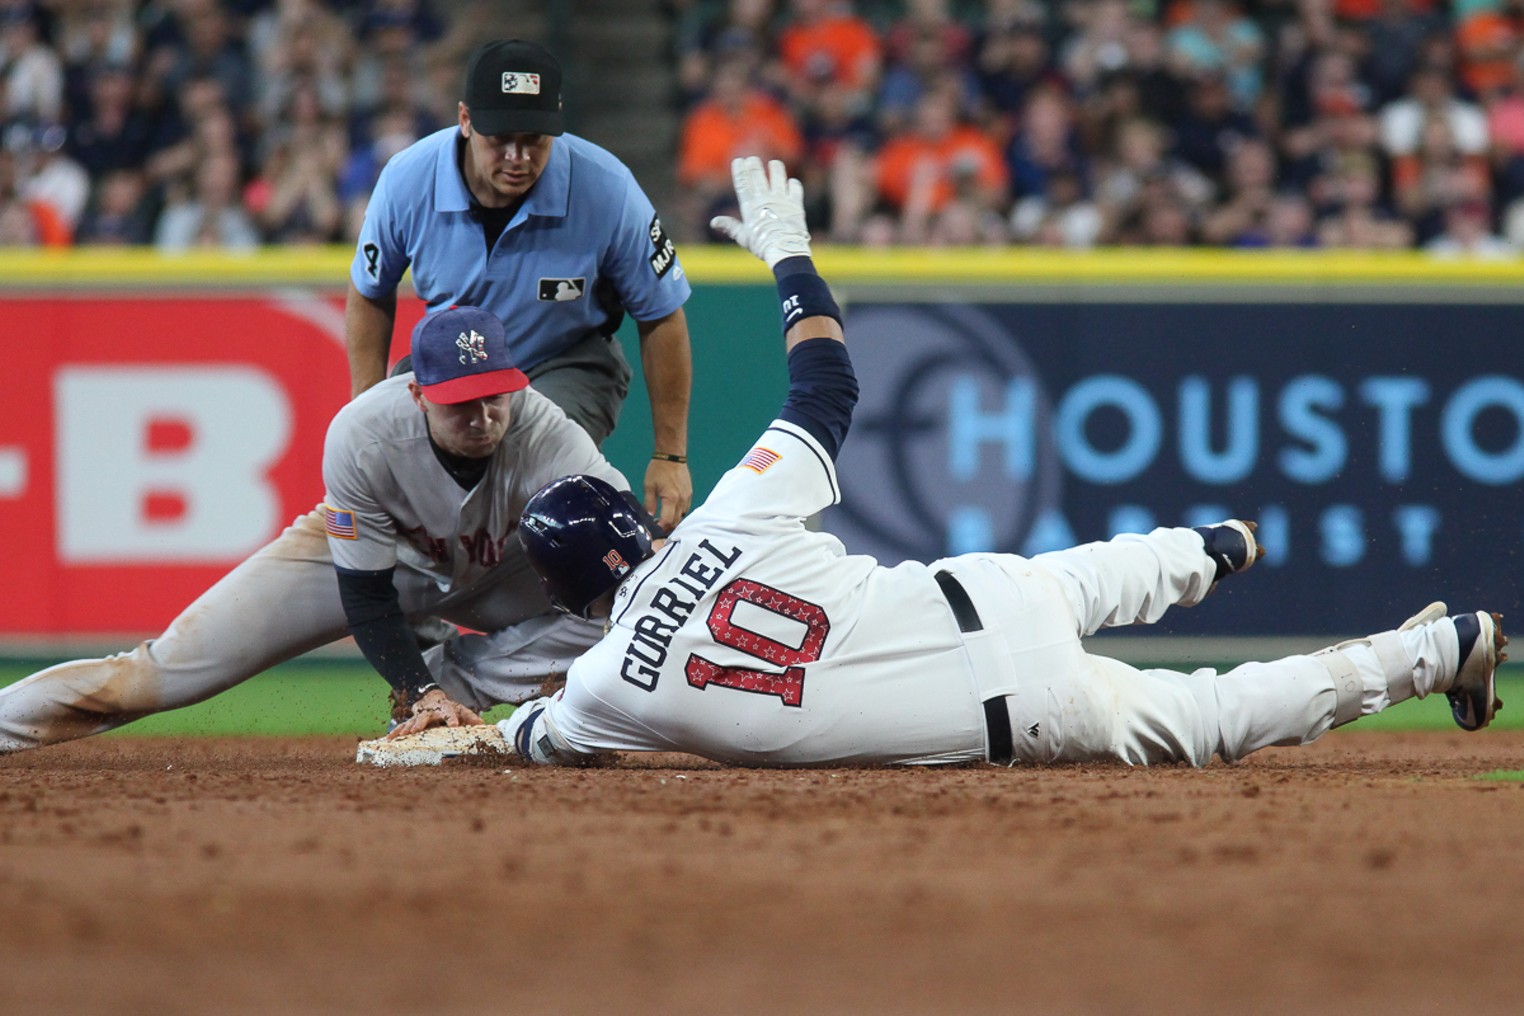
(149, 445)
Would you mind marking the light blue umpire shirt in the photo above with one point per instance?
(585, 222)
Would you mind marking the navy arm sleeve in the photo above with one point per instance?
(822, 391)
(381, 631)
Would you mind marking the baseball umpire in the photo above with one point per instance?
(749, 639)
(507, 212)
(426, 476)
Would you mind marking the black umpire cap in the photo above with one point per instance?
(514, 87)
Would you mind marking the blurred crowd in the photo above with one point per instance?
(1369, 124)
(1354, 124)
(224, 123)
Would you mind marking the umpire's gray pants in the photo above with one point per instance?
(589, 382)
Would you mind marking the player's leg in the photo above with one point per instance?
(1162, 715)
(1298, 699)
(1135, 578)
(1028, 653)
(589, 382)
(1429, 653)
(279, 603)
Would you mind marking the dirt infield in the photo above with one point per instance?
(1368, 873)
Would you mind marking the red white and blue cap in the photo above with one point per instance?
(461, 354)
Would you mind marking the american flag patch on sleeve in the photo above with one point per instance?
(760, 460)
(339, 523)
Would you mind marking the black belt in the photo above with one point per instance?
(997, 717)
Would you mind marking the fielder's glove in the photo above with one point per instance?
(772, 212)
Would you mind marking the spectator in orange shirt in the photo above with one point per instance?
(737, 119)
(939, 157)
(825, 42)
(1487, 40)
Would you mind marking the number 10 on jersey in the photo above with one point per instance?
(789, 685)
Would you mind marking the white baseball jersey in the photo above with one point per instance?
(389, 499)
(752, 640)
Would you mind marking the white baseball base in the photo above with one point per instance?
(435, 746)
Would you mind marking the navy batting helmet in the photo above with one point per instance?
(583, 537)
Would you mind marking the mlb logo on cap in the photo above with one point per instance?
(516, 83)
(461, 354)
(514, 87)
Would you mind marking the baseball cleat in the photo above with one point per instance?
(1473, 693)
(1232, 546)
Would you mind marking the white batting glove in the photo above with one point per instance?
(771, 225)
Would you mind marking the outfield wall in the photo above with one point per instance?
(1369, 410)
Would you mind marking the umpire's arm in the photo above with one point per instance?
(666, 358)
(368, 325)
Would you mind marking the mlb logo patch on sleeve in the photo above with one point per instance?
(760, 460)
(562, 290)
(339, 523)
(663, 254)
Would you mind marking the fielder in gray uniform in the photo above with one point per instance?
(426, 476)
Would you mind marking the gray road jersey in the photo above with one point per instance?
(390, 502)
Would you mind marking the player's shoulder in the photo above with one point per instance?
(782, 437)
(537, 419)
(379, 414)
(533, 411)
(544, 443)
(785, 474)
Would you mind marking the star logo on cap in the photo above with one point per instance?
(472, 346)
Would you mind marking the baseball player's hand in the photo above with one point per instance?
(670, 484)
(772, 211)
(435, 709)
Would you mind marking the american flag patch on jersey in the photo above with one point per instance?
(760, 459)
(339, 523)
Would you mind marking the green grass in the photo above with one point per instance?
(343, 697)
(1503, 776)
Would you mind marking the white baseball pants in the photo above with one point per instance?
(1068, 705)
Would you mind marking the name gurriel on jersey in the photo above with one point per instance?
(648, 649)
